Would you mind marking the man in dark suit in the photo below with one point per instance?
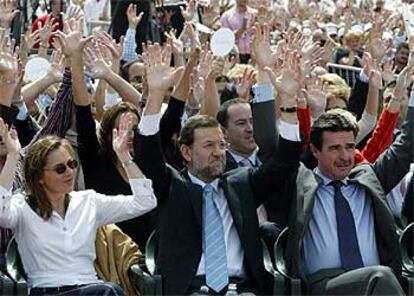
(342, 236)
(208, 228)
(235, 117)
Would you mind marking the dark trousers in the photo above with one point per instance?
(372, 280)
(95, 289)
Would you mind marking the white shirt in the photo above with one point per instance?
(235, 252)
(93, 9)
(60, 252)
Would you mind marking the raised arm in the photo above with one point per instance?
(32, 90)
(394, 163)
(9, 209)
(147, 144)
(118, 208)
(101, 69)
(72, 45)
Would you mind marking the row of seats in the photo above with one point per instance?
(145, 278)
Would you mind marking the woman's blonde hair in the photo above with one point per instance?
(337, 87)
(34, 163)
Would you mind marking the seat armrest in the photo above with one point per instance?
(145, 283)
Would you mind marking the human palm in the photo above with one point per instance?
(8, 62)
(288, 83)
(7, 13)
(72, 43)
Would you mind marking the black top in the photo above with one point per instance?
(101, 174)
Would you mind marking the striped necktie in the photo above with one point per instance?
(213, 241)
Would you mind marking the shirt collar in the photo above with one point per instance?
(197, 181)
(326, 180)
(252, 158)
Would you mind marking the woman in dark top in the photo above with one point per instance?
(101, 170)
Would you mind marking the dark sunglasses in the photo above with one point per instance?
(61, 167)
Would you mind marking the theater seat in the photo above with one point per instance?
(293, 286)
(15, 271)
(407, 252)
(143, 276)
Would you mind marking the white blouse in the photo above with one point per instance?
(60, 252)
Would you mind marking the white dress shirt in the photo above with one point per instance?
(59, 252)
(235, 253)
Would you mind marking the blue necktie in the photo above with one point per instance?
(213, 241)
(347, 237)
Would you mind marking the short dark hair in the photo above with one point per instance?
(223, 113)
(336, 120)
(195, 122)
(402, 45)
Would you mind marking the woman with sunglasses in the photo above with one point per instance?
(54, 226)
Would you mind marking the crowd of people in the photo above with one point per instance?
(306, 125)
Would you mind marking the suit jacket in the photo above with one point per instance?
(180, 208)
(266, 136)
(231, 163)
(378, 179)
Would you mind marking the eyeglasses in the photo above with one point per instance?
(60, 168)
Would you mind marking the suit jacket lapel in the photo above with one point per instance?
(307, 188)
(195, 194)
(234, 204)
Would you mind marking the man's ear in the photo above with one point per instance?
(186, 152)
(315, 151)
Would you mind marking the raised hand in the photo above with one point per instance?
(72, 42)
(210, 15)
(46, 30)
(9, 139)
(328, 51)
(376, 45)
(57, 65)
(205, 63)
(74, 12)
(28, 40)
(160, 76)
(8, 57)
(122, 136)
(244, 84)
(99, 68)
(261, 50)
(315, 95)
(290, 79)
(403, 80)
(191, 33)
(196, 93)
(133, 18)
(189, 11)
(168, 14)
(388, 71)
(8, 10)
(110, 43)
(176, 44)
